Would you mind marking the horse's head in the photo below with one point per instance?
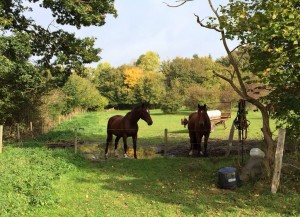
(145, 114)
(202, 113)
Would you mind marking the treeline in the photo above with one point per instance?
(30, 94)
(169, 85)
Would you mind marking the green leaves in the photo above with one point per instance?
(80, 92)
(271, 29)
(80, 13)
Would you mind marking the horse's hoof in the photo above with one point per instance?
(125, 156)
(105, 156)
(190, 153)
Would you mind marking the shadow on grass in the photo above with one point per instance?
(186, 184)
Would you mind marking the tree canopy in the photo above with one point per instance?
(57, 53)
(57, 47)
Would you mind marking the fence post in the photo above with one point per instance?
(18, 133)
(1, 136)
(75, 140)
(230, 139)
(278, 161)
(166, 143)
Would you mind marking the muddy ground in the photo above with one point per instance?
(215, 148)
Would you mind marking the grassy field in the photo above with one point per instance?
(92, 126)
(92, 130)
(36, 181)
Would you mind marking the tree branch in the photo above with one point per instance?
(205, 26)
(175, 6)
(230, 82)
(230, 56)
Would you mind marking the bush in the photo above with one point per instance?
(171, 102)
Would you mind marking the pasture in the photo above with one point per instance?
(37, 181)
(92, 130)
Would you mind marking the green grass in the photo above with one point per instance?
(36, 181)
(144, 187)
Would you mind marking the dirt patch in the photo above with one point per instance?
(215, 148)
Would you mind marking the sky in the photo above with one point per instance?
(150, 25)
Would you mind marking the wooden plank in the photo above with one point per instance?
(166, 143)
(1, 136)
(278, 161)
(75, 140)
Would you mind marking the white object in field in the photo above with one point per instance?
(214, 114)
(256, 152)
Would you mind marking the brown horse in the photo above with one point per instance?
(199, 125)
(126, 126)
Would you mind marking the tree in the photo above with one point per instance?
(150, 88)
(58, 52)
(269, 30)
(20, 82)
(57, 47)
(80, 92)
(132, 75)
(149, 62)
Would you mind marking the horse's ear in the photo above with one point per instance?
(198, 106)
(204, 105)
(143, 105)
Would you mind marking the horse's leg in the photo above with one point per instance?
(192, 141)
(108, 142)
(199, 138)
(116, 145)
(125, 146)
(205, 144)
(134, 139)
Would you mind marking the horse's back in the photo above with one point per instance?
(193, 124)
(119, 126)
(114, 123)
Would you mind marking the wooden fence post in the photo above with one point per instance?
(31, 129)
(230, 139)
(75, 140)
(278, 160)
(166, 143)
(18, 133)
(1, 136)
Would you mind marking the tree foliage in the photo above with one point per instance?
(57, 47)
(149, 62)
(271, 31)
(268, 31)
(80, 92)
(19, 79)
(132, 75)
(57, 52)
